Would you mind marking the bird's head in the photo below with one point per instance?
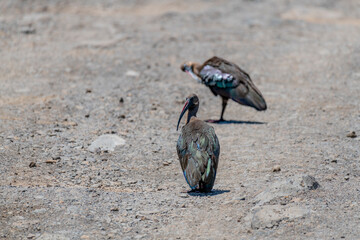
(191, 69)
(191, 105)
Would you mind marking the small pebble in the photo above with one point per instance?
(32, 164)
(351, 135)
(276, 168)
(50, 161)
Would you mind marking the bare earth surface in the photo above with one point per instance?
(72, 71)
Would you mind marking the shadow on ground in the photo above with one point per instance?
(202, 194)
(234, 122)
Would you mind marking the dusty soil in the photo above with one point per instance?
(66, 78)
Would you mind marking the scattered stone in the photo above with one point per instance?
(271, 215)
(51, 161)
(235, 200)
(184, 195)
(276, 168)
(52, 236)
(167, 163)
(88, 90)
(351, 135)
(132, 73)
(39, 211)
(121, 100)
(106, 142)
(87, 115)
(31, 236)
(309, 182)
(29, 29)
(347, 178)
(115, 209)
(287, 187)
(32, 164)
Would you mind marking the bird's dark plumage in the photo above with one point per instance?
(198, 149)
(227, 80)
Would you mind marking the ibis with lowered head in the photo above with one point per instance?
(227, 80)
(198, 148)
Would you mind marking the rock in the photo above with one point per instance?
(271, 215)
(29, 29)
(32, 164)
(51, 161)
(351, 135)
(31, 236)
(309, 182)
(52, 236)
(276, 168)
(39, 211)
(106, 142)
(131, 73)
(287, 187)
(235, 200)
(167, 163)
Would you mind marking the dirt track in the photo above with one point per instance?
(66, 65)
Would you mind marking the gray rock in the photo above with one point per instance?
(271, 215)
(106, 142)
(39, 211)
(309, 182)
(131, 73)
(287, 187)
(53, 236)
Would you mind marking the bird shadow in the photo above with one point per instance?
(234, 122)
(214, 192)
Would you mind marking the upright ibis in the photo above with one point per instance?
(227, 80)
(198, 148)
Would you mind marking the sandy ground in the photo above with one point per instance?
(66, 78)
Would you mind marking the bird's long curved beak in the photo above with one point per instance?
(192, 75)
(185, 108)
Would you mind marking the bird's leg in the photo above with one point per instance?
(224, 103)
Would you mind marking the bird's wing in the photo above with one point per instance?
(198, 154)
(213, 77)
(181, 149)
(218, 72)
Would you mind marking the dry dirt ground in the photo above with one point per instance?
(71, 71)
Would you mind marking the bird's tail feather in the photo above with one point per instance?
(253, 98)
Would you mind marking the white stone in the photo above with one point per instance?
(132, 73)
(271, 215)
(106, 142)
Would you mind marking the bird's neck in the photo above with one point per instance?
(196, 69)
(191, 115)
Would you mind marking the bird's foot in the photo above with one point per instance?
(215, 121)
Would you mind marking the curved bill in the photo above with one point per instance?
(185, 108)
(192, 75)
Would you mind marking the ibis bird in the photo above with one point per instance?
(227, 80)
(198, 148)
